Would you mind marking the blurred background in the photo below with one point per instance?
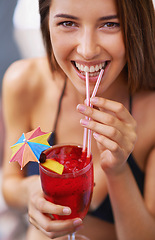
(20, 37)
(8, 49)
(9, 220)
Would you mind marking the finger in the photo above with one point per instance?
(108, 131)
(49, 234)
(113, 156)
(45, 206)
(119, 152)
(63, 225)
(39, 220)
(99, 116)
(53, 235)
(126, 139)
(109, 163)
(108, 119)
(115, 107)
(106, 142)
(55, 228)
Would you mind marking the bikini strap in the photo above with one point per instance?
(130, 104)
(52, 138)
(59, 106)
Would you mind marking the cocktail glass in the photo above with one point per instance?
(74, 187)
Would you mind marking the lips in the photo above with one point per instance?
(93, 69)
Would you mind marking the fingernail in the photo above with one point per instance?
(96, 135)
(77, 222)
(93, 100)
(67, 211)
(84, 122)
(81, 108)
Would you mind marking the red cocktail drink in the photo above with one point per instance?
(74, 187)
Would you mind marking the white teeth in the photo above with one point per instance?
(82, 68)
(91, 69)
(97, 68)
(86, 69)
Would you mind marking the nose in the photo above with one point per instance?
(88, 46)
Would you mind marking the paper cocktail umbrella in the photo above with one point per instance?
(29, 147)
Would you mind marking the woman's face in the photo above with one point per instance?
(86, 36)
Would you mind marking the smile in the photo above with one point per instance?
(93, 70)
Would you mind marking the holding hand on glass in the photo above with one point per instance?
(86, 36)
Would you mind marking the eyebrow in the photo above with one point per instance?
(108, 17)
(62, 15)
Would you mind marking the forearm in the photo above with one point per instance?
(133, 221)
(16, 191)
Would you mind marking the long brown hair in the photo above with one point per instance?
(138, 26)
(44, 7)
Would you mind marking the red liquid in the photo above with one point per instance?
(74, 187)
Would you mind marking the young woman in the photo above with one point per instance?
(86, 35)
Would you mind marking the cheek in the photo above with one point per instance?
(61, 46)
(57, 47)
(120, 50)
(116, 47)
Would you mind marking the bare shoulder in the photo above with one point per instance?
(21, 76)
(24, 83)
(145, 101)
(149, 138)
(145, 110)
(148, 104)
(28, 85)
(29, 77)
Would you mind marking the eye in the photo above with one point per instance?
(67, 24)
(110, 25)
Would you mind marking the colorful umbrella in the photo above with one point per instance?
(29, 147)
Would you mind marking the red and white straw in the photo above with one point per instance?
(86, 131)
(88, 104)
(97, 83)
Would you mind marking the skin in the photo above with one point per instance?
(30, 99)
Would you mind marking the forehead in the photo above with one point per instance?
(83, 8)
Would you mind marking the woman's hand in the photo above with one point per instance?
(114, 130)
(40, 213)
